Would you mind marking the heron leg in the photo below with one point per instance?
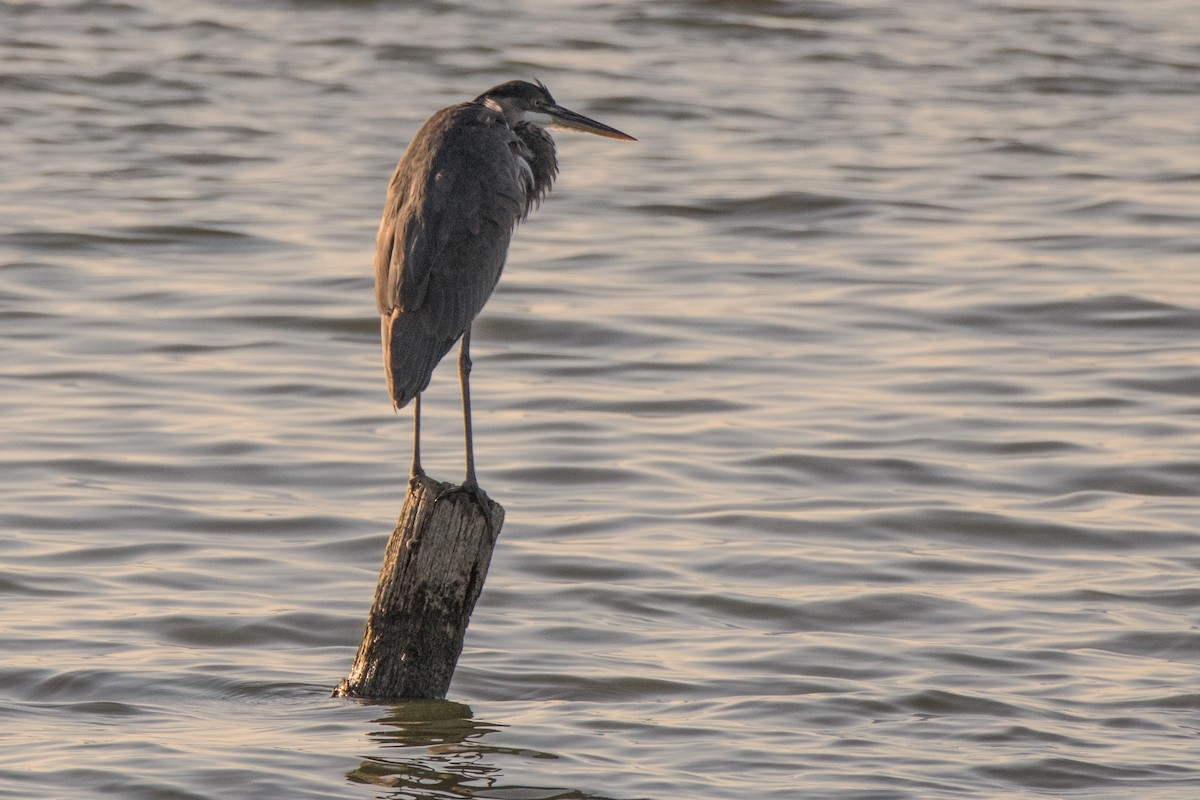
(470, 484)
(464, 377)
(416, 465)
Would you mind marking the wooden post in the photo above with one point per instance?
(433, 570)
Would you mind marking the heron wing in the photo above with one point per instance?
(452, 204)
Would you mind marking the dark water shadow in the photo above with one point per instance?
(441, 753)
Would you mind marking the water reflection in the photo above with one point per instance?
(443, 756)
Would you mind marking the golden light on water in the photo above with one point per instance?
(845, 421)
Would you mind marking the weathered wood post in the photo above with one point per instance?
(433, 570)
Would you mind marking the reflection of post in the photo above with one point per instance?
(433, 571)
(434, 748)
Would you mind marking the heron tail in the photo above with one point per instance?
(410, 353)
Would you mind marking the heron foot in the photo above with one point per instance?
(476, 493)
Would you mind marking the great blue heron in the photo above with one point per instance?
(472, 172)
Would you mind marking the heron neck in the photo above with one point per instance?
(543, 161)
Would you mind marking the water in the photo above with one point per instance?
(847, 423)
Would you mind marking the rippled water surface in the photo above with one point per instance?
(848, 424)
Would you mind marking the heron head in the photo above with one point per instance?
(531, 104)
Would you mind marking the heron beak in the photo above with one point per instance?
(567, 119)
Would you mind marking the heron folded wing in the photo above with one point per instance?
(452, 204)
